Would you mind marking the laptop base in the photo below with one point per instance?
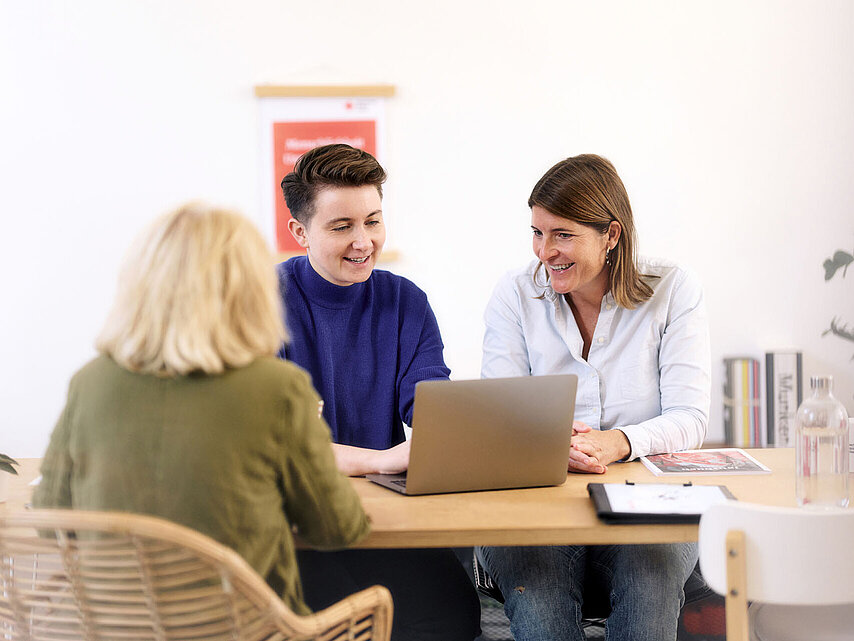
(396, 482)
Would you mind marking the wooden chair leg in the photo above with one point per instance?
(736, 594)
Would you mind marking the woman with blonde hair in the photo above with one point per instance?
(187, 414)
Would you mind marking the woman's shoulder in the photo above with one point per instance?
(664, 268)
(665, 275)
(391, 285)
(385, 278)
(103, 369)
(656, 266)
(270, 381)
(521, 280)
(99, 369)
(294, 275)
(275, 370)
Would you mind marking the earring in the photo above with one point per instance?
(608, 256)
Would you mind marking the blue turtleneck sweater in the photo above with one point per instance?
(365, 346)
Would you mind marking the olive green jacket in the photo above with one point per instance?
(242, 457)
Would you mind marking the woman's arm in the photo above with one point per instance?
(54, 490)
(421, 355)
(685, 377)
(318, 500)
(683, 386)
(504, 350)
(358, 461)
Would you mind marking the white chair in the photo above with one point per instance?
(795, 565)
(109, 576)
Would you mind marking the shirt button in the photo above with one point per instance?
(601, 340)
(608, 307)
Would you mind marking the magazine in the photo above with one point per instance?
(730, 460)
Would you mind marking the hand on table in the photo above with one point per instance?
(358, 461)
(591, 451)
(394, 460)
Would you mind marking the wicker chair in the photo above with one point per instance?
(68, 574)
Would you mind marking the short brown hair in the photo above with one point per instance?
(336, 165)
(586, 189)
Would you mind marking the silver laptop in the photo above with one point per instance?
(488, 434)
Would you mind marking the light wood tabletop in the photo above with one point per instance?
(535, 516)
(551, 515)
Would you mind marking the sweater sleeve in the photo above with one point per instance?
(319, 501)
(421, 356)
(54, 490)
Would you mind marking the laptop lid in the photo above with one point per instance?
(490, 434)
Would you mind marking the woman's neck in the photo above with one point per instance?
(585, 304)
(590, 296)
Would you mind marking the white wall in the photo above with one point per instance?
(730, 123)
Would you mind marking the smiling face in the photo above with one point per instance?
(345, 235)
(573, 254)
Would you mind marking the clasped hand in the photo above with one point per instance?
(591, 451)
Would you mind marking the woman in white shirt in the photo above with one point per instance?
(635, 333)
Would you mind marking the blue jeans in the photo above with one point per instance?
(543, 588)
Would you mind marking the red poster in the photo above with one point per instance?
(292, 139)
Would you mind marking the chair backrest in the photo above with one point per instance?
(793, 556)
(68, 574)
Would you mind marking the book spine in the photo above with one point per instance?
(785, 392)
(733, 402)
(799, 379)
(750, 374)
(769, 399)
(739, 402)
(743, 402)
(737, 415)
(759, 405)
(728, 404)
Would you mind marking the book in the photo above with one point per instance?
(654, 502)
(783, 394)
(731, 460)
(758, 438)
(734, 427)
(742, 402)
(729, 419)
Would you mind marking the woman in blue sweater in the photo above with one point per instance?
(366, 337)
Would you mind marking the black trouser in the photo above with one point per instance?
(434, 600)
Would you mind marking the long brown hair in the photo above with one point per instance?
(586, 189)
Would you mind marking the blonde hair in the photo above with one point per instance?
(197, 292)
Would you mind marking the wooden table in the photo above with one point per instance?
(536, 516)
(551, 515)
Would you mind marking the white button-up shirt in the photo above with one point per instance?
(648, 368)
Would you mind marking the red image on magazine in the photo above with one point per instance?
(722, 461)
